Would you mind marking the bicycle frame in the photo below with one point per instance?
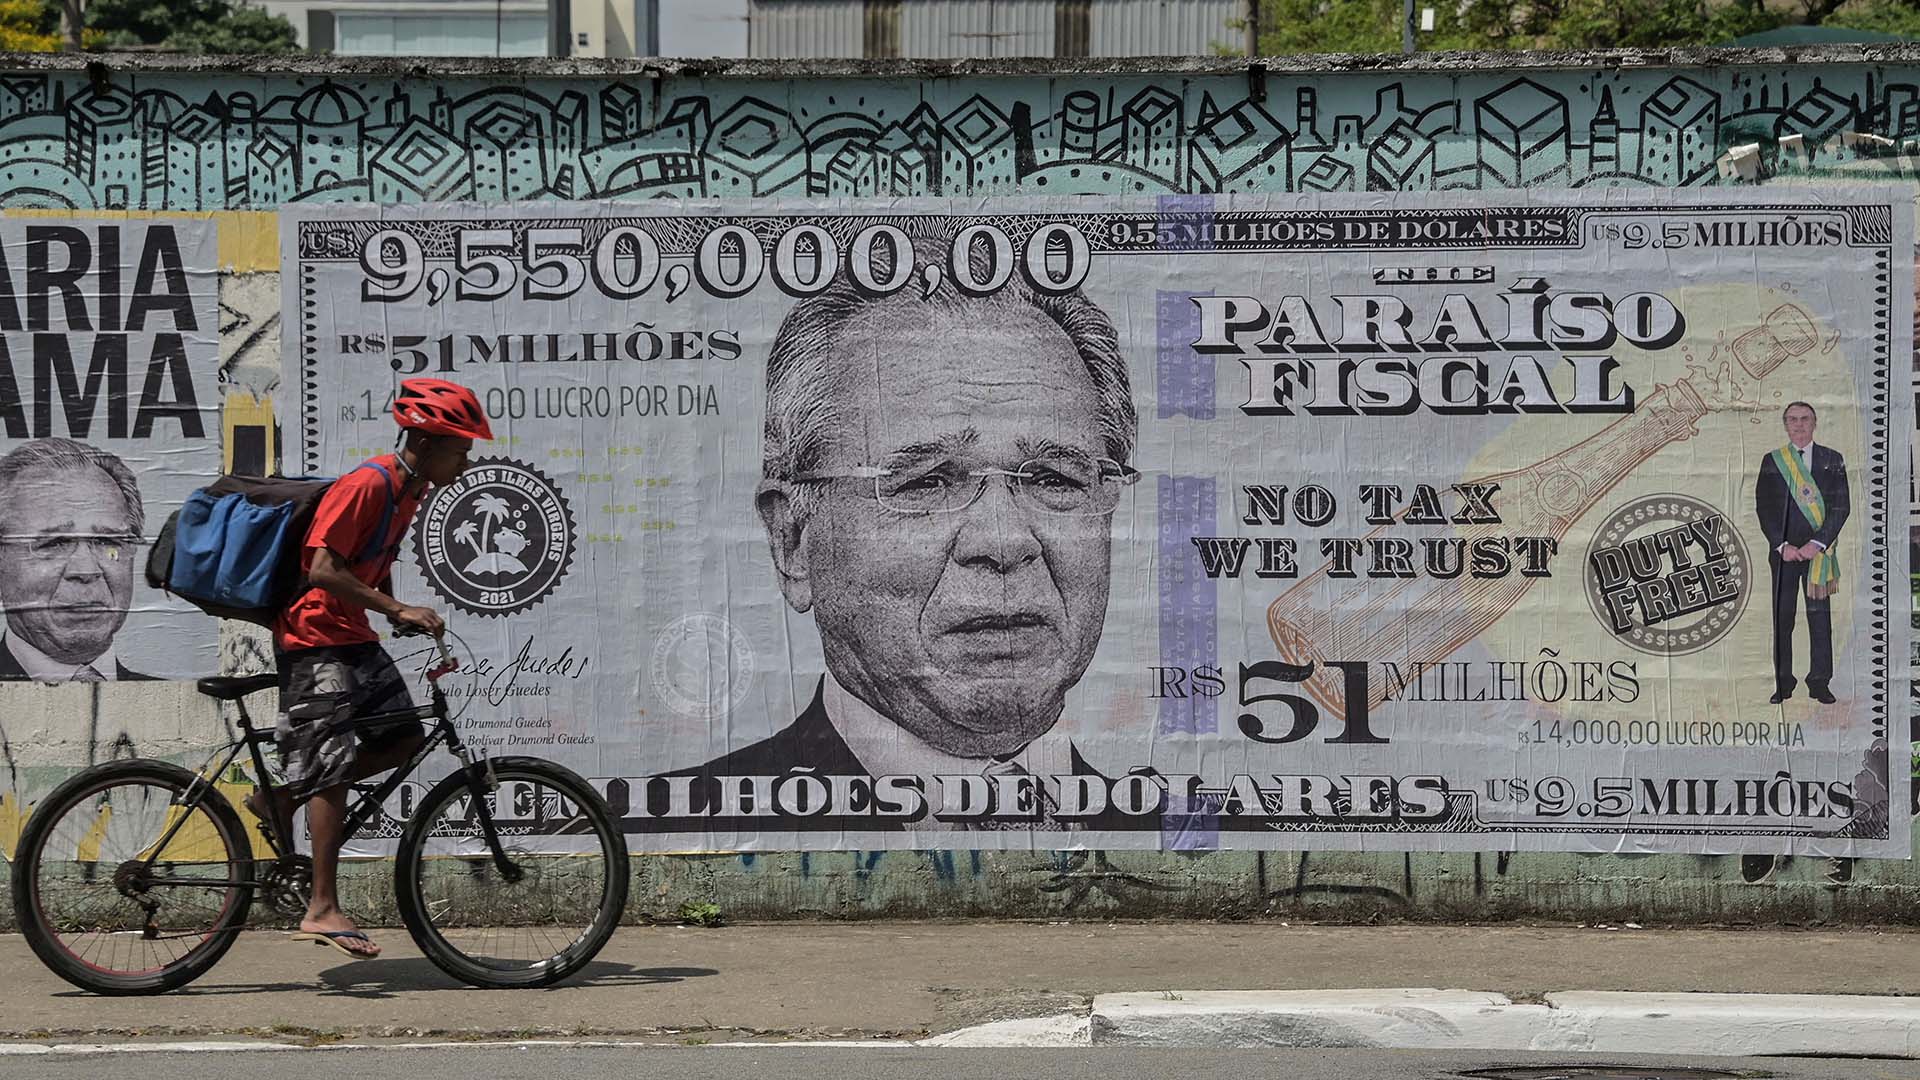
(480, 782)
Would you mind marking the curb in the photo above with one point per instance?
(1579, 1021)
(1410, 1019)
(1583, 1022)
(205, 1046)
(1064, 1029)
(1747, 1024)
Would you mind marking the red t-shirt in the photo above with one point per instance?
(344, 523)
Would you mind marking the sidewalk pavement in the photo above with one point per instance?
(916, 980)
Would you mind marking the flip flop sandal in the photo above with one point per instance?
(333, 939)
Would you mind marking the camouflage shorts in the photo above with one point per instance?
(323, 694)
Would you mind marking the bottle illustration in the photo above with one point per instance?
(1410, 621)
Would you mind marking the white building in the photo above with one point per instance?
(947, 29)
(611, 28)
(771, 29)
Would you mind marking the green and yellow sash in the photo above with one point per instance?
(1823, 576)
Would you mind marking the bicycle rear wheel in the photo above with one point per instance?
(110, 909)
(483, 929)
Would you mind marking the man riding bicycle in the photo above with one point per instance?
(332, 668)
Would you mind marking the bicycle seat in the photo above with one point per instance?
(235, 687)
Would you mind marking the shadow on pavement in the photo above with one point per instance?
(376, 979)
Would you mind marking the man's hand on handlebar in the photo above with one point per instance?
(417, 620)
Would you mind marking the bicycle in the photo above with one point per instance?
(135, 877)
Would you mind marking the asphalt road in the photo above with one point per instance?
(880, 1063)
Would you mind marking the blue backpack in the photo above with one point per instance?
(233, 548)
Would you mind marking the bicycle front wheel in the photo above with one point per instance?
(546, 914)
(121, 887)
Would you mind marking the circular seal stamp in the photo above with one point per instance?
(497, 540)
(702, 665)
(1668, 575)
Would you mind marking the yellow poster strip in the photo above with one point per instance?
(249, 239)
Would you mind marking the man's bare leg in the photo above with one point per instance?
(326, 823)
(278, 815)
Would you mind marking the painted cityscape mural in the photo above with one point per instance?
(167, 142)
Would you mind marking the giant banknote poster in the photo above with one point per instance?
(109, 416)
(1512, 521)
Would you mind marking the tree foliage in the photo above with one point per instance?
(1900, 17)
(149, 22)
(246, 29)
(192, 26)
(29, 26)
(187, 26)
(1298, 26)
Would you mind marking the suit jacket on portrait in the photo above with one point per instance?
(1782, 521)
(12, 671)
(812, 742)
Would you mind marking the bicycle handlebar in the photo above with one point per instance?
(447, 665)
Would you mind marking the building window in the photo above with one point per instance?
(881, 37)
(451, 34)
(1072, 27)
(319, 30)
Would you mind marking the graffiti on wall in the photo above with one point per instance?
(185, 142)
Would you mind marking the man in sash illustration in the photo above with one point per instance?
(1802, 500)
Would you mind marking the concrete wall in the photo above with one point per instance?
(239, 143)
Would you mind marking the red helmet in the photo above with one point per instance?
(439, 407)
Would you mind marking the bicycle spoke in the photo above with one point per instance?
(114, 876)
(547, 921)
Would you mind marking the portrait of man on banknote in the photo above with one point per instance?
(73, 518)
(940, 475)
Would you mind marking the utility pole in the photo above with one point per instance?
(1253, 28)
(1406, 29)
(72, 19)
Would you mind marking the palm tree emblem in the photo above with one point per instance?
(494, 509)
(494, 548)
